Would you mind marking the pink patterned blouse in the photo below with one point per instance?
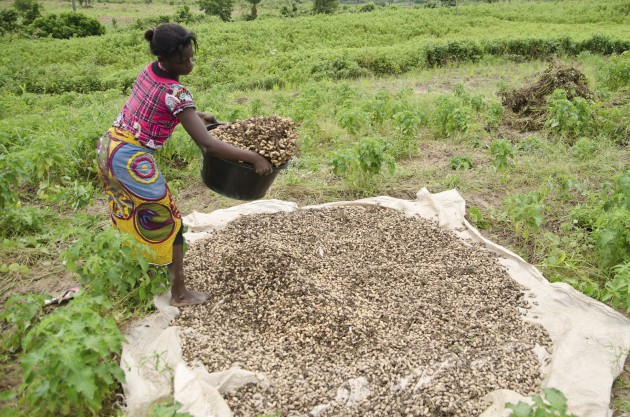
(150, 112)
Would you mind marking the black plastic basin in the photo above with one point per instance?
(236, 179)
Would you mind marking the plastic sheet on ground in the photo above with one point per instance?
(590, 340)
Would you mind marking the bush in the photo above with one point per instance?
(460, 163)
(221, 8)
(73, 380)
(361, 163)
(452, 115)
(367, 7)
(452, 51)
(18, 317)
(337, 68)
(113, 264)
(526, 213)
(325, 6)
(502, 152)
(566, 117)
(66, 25)
(614, 123)
(616, 74)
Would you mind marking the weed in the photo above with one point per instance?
(568, 118)
(360, 163)
(19, 315)
(616, 74)
(24, 221)
(526, 213)
(12, 172)
(452, 115)
(460, 163)
(553, 403)
(618, 289)
(167, 410)
(113, 264)
(584, 148)
(502, 152)
(74, 380)
(476, 217)
(352, 120)
(612, 237)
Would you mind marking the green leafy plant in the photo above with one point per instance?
(167, 410)
(618, 288)
(566, 117)
(69, 360)
(352, 120)
(584, 148)
(553, 403)
(616, 73)
(360, 163)
(502, 152)
(612, 237)
(19, 315)
(20, 221)
(66, 25)
(460, 163)
(610, 228)
(12, 171)
(494, 114)
(476, 217)
(221, 8)
(113, 264)
(526, 213)
(452, 115)
(407, 123)
(380, 108)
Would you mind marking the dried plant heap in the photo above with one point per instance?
(273, 137)
(428, 323)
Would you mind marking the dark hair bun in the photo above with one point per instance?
(148, 35)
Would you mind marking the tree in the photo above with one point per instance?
(66, 25)
(254, 13)
(183, 14)
(8, 21)
(221, 8)
(33, 13)
(325, 6)
(22, 6)
(29, 10)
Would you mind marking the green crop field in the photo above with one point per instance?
(423, 91)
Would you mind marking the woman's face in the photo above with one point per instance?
(181, 64)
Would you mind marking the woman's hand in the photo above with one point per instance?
(206, 117)
(262, 166)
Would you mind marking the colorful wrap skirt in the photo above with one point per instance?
(139, 200)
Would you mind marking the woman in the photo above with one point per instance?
(139, 199)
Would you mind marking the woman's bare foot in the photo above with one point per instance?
(188, 298)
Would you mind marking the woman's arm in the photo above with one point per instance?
(197, 130)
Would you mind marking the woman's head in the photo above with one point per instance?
(174, 46)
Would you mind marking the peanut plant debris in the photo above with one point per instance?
(358, 311)
(526, 107)
(273, 137)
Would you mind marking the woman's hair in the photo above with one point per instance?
(168, 39)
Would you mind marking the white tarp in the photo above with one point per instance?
(590, 340)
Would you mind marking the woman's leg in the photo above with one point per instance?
(180, 296)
